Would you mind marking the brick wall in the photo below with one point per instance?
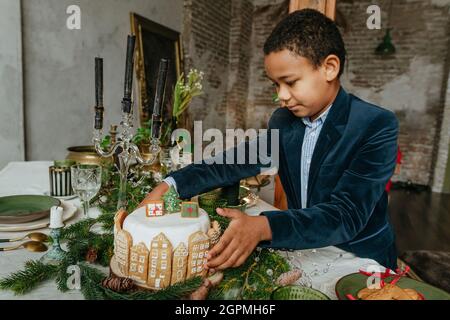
(411, 82)
(206, 40)
(266, 15)
(225, 40)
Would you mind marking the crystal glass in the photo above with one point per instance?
(86, 182)
(165, 159)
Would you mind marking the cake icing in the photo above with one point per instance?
(175, 228)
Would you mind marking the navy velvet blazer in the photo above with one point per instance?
(353, 159)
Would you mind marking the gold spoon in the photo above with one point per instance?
(35, 236)
(33, 246)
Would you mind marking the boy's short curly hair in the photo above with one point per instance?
(309, 34)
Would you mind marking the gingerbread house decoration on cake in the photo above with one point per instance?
(160, 264)
(122, 243)
(179, 262)
(154, 208)
(198, 249)
(156, 263)
(139, 263)
(189, 209)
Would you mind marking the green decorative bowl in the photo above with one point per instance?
(25, 208)
(298, 293)
(212, 200)
(353, 283)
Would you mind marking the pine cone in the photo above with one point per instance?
(214, 233)
(289, 277)
(214, 237)
(118, 284)
(91, 255)
(216, 226)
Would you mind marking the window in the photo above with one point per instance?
(200, 255)
(196, 247)
(180, 263)
(133, 267)
(142, 259)
(141, 269)
(164, 255)
(133, 257)
(154, 244)
(164, 245)
(163, 265)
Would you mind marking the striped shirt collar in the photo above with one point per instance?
(321, 119)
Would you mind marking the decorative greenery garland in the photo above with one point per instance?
(253, 280)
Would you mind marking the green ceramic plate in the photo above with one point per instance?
(353, 283)
(25, 208)
(298, 293)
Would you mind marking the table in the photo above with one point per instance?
(325, 265)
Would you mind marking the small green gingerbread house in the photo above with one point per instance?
(171, 200)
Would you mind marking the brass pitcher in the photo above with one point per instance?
(86, 155)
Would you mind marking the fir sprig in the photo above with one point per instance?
(26, 280)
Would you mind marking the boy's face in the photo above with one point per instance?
(305, 90)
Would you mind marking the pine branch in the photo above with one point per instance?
(79, 229)
(91, 279)
(175, 292)
(25, 280)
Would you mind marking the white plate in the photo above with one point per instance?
(68, 212)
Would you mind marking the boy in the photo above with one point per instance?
(337, 153)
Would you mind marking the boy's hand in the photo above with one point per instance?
(155, 194)
(239, 239)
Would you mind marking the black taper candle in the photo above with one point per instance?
(126, 102)
(98, 120)
(159, 98)
(160, 86)
(98, 81)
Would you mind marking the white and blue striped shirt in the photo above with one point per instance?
(312, 132)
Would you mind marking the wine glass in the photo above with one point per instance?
(165, 159)
(86, 182)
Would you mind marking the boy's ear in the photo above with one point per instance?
(331, 66)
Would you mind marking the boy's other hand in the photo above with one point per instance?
(155, 194)
(239, 239)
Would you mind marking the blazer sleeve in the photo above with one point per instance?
(201, 177)
(352, 201)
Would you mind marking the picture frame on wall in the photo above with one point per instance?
(154, 42)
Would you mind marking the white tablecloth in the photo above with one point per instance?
(323, 267)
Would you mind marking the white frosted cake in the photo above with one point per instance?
(159, 251)
(173, 226)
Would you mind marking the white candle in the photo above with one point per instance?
(56, 217)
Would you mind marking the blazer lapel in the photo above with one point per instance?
(294, 140)
(329, 135)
